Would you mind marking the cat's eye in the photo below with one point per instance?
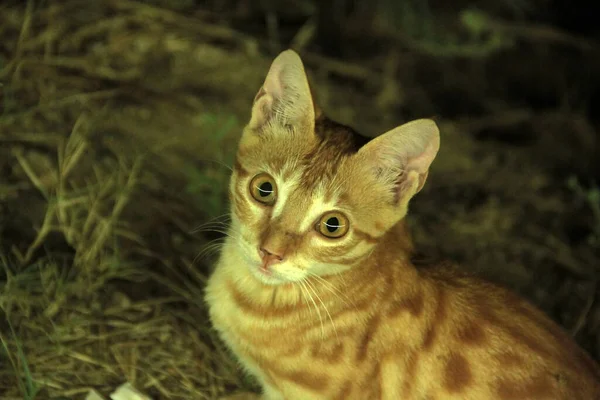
(263, 189)
(333, 225)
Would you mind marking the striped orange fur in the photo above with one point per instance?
(315, 292)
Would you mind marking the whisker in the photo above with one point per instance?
(304, 281)
(211, 227)
(217, 219)
(324, 306)
(225, 230)
(302, 288)
(216, 244)
(210, 247)
(332, 289)
(221, 163)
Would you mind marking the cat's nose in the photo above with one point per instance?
(270, 257)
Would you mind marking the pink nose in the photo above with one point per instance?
(269, 257)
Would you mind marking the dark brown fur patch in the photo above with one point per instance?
(380, 226)
(241, 171)
(263, 311)
(331, 353)
(438, 319)
(471, 333)
(334, 142)
(365, 236)
(306, 379)
(346, 391)
(409, 376)
(368, 335)
(413, 304)
(457, 374)
(374, 382)
(342, 137)
(509, 359)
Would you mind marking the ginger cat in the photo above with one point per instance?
(315, 293)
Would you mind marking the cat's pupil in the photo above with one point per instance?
(332, 224)
(265, 189)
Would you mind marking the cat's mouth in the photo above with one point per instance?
(267, 275)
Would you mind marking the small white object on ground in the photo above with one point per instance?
(124, 392)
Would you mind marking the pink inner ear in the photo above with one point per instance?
(422, 161)
(401, 152)
(285, 94)
(422, 180)
(263, 108)
(260, 94)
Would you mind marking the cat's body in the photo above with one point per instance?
(316, 294)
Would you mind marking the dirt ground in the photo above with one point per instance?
(119, 120)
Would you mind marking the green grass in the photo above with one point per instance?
(27, 387)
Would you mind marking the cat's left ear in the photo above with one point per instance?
(400, 159)
(285, 98)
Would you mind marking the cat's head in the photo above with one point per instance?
(308, 197)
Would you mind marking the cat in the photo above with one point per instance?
(314, 290)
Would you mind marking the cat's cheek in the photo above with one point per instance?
(248, 249)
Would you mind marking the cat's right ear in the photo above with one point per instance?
(284, 99)
(400, 159)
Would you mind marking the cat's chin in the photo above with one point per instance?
(268, 278)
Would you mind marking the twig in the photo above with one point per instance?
(30, 173)
(25, 27)
(108, 225)
(44, 230)
(71, 159)
(89, 360)
(305, 35)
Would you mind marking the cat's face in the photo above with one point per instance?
(305, 199)
(306, 204)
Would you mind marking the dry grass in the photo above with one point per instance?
(69, 292)
(107, 168)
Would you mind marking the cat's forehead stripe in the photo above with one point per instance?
(317, 207)
(286, 182)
